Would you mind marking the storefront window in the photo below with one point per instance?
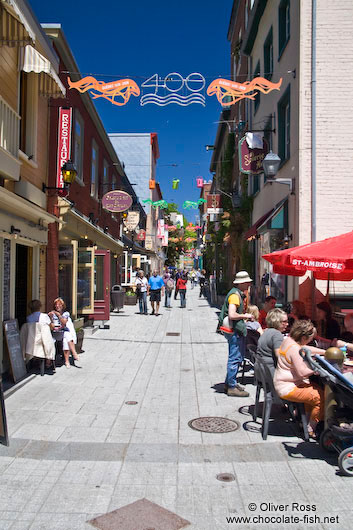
(85, 272)
(98, 278)
(65, 274)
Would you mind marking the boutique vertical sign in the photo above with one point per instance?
(64, 143)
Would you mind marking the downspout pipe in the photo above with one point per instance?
(313, 143)
(313, 122)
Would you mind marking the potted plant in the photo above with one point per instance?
(130, 297)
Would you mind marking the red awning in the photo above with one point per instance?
(249, 234)
(329, 259)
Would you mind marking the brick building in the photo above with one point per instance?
(84, 249)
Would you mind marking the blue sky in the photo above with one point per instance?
(138, 39)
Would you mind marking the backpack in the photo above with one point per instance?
(170, 285)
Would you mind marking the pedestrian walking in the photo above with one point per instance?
(169, 286)
(233, 314)
(141, 285)
(181, 286)
(193, 278)
(177, 276)
(166, 276)
(155, 286)
(202, 280)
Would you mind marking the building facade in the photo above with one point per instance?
(139, 153)
(29, 78)
(85, 247)
(289, 41)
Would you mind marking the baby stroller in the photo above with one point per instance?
(338, 433)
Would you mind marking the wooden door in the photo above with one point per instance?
(102, 285)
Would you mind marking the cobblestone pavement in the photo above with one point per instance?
(78, 450)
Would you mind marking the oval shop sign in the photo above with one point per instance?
(116, 201)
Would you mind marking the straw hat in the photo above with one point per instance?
(242, 277)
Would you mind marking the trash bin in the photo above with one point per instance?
(117, 295)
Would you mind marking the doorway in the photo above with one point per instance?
(23, 282)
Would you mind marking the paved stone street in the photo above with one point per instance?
(78, 450)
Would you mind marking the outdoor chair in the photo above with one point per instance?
(248, 359)
(265, 381)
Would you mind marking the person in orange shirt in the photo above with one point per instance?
(270, 303)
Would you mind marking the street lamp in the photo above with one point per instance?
(69, 173)
(271, 164)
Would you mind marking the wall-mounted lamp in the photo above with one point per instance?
(287, 238)
(14, 230)
(69, 173)
(209, 147)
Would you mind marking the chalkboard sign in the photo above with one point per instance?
(12, 336)
(4, 439)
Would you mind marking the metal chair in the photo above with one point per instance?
(265, 381)
(248, 359)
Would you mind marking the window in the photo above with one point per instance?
(268, 137)
(246, 14)
(255, 183)
(268, 55)
(78, 145)
(94, 170)
(114, 182)
(105, 184)
(29, 113)
(257, 97)
(284, 126)
(283, 25)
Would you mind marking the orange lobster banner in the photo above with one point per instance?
(117, 92)
(229, 92)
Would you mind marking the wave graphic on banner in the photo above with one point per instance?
(176, 99)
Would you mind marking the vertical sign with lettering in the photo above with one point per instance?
(64, 143)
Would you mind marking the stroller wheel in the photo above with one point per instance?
(327, 441)
(345, 462)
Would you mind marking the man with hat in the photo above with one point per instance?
(232, 313)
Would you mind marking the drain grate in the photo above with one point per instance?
(172, 334)
(225, 477)
(213, 424)
(131, 402)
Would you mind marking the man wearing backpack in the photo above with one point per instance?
(232, 321)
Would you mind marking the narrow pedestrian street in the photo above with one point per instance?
(78, 449)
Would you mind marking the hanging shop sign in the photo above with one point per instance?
(214, 204)
(174, 89)
(116, 201)
(175, 184)
(141, 236)
(64, 143)
(160, 228)
(148, 243)
(250, 160)
(165, 238)
(132, 220)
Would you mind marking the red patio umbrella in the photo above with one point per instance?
(329, 259)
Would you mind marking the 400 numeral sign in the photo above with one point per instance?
(174, 88)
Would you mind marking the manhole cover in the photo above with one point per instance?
(131, 402)
(213, 424)
(172, 334)
(225, 477)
